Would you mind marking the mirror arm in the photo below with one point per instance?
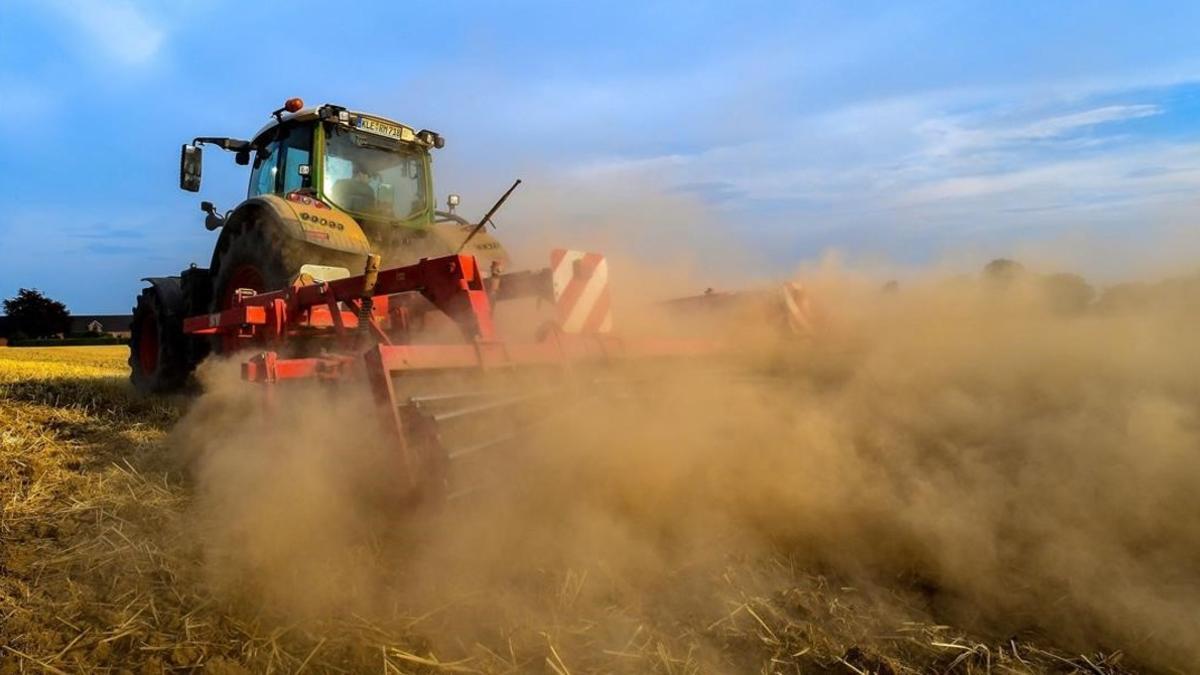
(232, 144)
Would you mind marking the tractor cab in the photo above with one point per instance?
(373, 169)
(344, 181)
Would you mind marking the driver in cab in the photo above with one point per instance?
(356, 193)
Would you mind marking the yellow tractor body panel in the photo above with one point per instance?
(324, 227)
(485, 247)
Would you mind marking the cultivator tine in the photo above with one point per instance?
(427, 399)
(392, 421)
(493, 406)
(475, 428)
(484, 445)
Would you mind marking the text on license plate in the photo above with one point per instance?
(381, 128)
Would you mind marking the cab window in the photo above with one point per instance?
(266, 169)
(364, 173)
(297, 152)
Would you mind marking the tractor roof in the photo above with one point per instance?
(314, 112)
(295, 110)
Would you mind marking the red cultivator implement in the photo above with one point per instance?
(441, 401)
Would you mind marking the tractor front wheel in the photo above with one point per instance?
(256, 258)
(259, 257)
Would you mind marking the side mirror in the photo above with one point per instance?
(242, 158)
(189, 168)
(451, 201)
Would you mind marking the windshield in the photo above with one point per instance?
(373, 176)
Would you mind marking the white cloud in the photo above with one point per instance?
(1057, 126)
(121, 30)
(949, 136)
(944, 166)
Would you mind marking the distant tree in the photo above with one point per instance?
(1003, 271)
(1068, 292)
(33, 314)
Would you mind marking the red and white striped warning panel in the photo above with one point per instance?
(581, 295)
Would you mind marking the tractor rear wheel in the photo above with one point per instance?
(157, 349)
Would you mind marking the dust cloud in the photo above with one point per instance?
(1016, 449)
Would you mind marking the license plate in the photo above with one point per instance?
(381, 128)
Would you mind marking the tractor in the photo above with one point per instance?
(328, 187)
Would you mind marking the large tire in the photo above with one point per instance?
(158, 361)
(261, 257)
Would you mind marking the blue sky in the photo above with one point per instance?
(915, 132)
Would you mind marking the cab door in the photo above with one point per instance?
(264, 176)
(282, 163)
(296, 145)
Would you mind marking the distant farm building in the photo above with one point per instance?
(104, 324)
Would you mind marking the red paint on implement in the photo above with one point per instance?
(243, 277)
